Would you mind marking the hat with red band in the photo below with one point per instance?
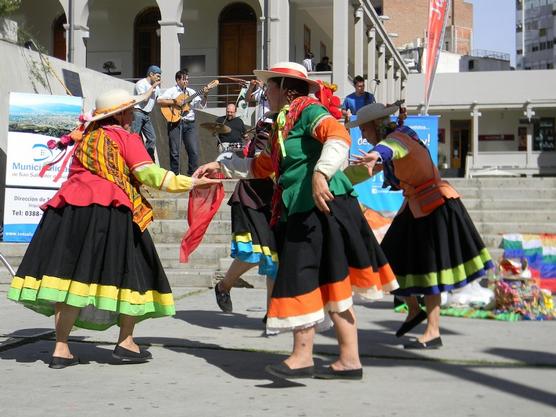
(287, 70)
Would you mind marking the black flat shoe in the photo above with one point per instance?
(129, 356)
(408, 325)
(330, 373)
(60, 363)
(223, 299)
(431, 344)
(281, 370)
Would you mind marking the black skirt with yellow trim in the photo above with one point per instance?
(324, 259)
(97, 259)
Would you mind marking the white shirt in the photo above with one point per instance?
(141, 87)
(308, 64)
(262, 105)
(197, 103)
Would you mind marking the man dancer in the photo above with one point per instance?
(142, 123)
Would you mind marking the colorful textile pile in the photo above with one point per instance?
(540, 252)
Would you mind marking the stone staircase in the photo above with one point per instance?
(496, 205)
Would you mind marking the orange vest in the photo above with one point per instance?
(420, 181)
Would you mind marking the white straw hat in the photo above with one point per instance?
(114, 101)
(288, 70)
(372, 112)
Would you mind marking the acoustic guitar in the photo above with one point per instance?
(173, 114)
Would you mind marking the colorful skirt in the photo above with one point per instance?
(94, 258)
(436, 253)
(252, 238)
(324, 259)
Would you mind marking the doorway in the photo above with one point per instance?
(146, 48)
(237, 46)
(460, 134)
(59, 38)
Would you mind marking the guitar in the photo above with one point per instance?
(173, 114)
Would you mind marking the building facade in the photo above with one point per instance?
(535, 34)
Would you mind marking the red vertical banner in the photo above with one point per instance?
(438, 16)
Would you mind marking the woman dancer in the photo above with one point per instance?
(325, 247)
(91, 262)
(432, 243)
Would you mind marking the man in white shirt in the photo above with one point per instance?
(184, 130)
(255, 93)
(142, 123)
(308, 61)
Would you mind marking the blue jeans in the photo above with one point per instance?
(185, 132)
(142, 124)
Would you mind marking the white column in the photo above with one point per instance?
(279, 28)
(390, 81)
(475, 113)
(170, 28)
(358, 40)
(371, 59)
(77, 31)
(340, 46)
(381, 76)
(397, 84)
(529, 113)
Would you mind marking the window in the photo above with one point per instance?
(471, 65)
(306, 39)
(322, 50)
(542, 46)
(543, 136)
(535, 48)
(519, 52)
(542, 32)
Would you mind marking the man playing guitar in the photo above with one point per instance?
(183, 130)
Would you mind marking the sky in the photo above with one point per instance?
(494, 26)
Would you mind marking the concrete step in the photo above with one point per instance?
(172, 231)
(509, 204)
(176, 209)
(503, 193)
(513, 216)
(229, 186)
(535, 182)
(500, 228)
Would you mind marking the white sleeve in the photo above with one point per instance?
(333, 156)
(233, 166)
(142, 86)
(168, 94)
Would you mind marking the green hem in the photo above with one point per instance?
(451, 276)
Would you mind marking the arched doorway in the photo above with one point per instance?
(146, 47)
(59, 37)
(237, 41)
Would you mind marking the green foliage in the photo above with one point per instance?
(8, 6)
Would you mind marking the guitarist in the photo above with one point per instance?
(184, 130)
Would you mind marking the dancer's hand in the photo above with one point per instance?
(366, 158)
(321, 192)
(207, 169)
(205, 182)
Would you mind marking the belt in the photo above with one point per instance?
(143, 111)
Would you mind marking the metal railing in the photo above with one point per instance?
(483, 53)
(226, 92)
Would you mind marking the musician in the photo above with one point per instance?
(184, 130)
(142, 123)
(234, 139)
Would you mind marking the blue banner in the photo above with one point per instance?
(371, 193)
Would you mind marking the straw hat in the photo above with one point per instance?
(114, 101)
(372, 112)
(287, 70)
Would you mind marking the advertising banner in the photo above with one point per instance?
(371, 193)
(22, 212)
(34, 120)
(438, 16)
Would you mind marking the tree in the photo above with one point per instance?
(9, 6)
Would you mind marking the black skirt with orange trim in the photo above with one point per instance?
(324, 259)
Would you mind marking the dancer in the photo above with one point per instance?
(253, 241)
(91, 261)
(432, 243)
(326, 249)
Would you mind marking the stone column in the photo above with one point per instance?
(371, 59)
(381, 76)
(170, 28)
(529, 113)
(397, 84)
(77, 31)
(279, 31)
(340, 39)
(390, 81)
(358, 39)
(475, 113)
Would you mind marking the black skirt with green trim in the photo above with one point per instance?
(97, 259)
(435, 253)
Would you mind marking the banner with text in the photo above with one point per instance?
(371, 193)
(34, 120)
